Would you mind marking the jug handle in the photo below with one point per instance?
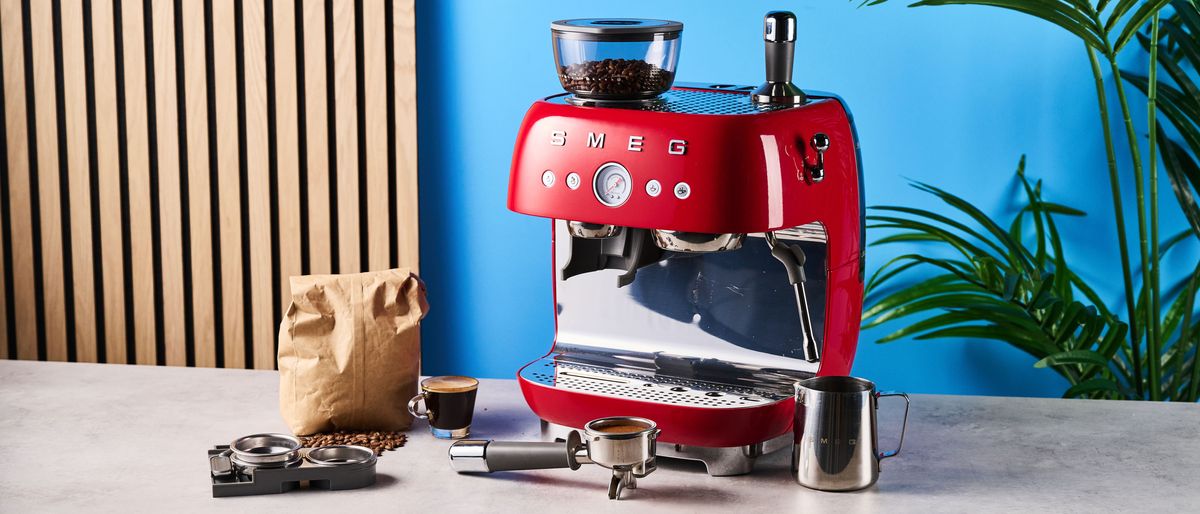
(903, 425)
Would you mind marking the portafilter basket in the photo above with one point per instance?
(265, 451)
(340, 455)
(624, 444)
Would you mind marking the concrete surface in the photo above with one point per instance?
(113, 438)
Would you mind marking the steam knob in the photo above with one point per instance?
(779, 35)
(820, 143)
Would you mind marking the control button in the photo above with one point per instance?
(682, 190)
(712, 393)
(679, 389)
(572, 180)
(548, 178)
(653, 188)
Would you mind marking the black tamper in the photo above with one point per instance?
(779, 33)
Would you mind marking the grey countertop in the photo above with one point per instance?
(113, 438)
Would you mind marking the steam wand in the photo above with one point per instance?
(792, 257)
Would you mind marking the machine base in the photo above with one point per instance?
(720, 462)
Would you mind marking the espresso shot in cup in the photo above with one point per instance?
(449, 405)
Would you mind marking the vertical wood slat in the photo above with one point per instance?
(5, 319)
(170, 215)
(346, 124)
(75, 97)
(142, 219)
(47, 151)
(24, 303)
(258, 185)
(225, 59)
(405, 69)
(320, 235)
(108, 165)
(201, 300)
(138, 185)
(287, 144)
(374, 34)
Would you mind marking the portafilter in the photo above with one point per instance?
(624, 444)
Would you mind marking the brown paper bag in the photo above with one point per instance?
(350, 351)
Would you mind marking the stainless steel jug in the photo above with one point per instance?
(836, 446)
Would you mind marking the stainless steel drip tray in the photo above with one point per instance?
(663, 379)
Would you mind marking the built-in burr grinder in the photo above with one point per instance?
(779, 34)
(626, 445)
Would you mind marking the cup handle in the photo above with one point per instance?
(903, 425)
(413, 404)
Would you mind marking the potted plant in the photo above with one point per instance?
(1012, 282)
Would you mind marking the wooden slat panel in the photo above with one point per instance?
(225, 60)
(405, 67)
(287, 147)
(320, 241)
(138, 161)
(108, 165)
(170, 214)
(141, 215)
(24, 304)
(258, 185)
(346, 125)
(375, 111)
(199, 172)
(53, 297)
(75, 96)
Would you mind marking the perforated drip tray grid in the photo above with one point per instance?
(649, 388)
(721, 99)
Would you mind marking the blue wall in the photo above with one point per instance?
(951, 96)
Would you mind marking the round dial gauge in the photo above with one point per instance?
(612, 184)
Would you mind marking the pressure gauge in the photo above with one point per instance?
(612, 184)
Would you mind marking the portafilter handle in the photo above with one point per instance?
(480, 456)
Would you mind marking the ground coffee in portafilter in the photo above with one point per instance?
(621, 428)
(615, 78)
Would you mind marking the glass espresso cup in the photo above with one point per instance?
(449, 404)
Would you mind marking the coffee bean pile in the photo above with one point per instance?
(615, 77)
(377, 441)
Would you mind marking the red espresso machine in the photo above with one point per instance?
(707, 241)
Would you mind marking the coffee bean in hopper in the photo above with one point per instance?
(615, 78)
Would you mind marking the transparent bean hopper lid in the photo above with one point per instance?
(616, 58)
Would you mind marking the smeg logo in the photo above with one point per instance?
(635, 143)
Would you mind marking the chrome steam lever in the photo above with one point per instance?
(820, 143)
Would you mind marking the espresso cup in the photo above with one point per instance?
(449, 404)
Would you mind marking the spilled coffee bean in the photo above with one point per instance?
(376, 441)
(615, 78)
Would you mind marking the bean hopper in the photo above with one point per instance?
(707, 241)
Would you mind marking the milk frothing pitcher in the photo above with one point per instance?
(836, 444)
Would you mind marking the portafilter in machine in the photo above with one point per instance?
(707, 240)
